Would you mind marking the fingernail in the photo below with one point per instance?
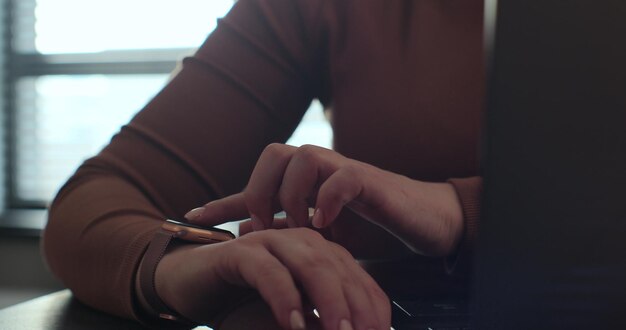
(296, 320)
(194, 214)
(318, 219)
(345, 325)
(256, 223)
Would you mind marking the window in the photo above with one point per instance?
(80, 69)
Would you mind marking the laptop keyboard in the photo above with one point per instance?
(430, 314)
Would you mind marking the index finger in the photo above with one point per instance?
(265, 181)
(219, 211)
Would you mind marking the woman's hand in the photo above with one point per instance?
(285, 267)
(427, 217)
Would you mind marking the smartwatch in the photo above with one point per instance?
(172, 230)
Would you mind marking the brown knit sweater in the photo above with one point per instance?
(403, 83)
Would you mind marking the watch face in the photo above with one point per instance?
(197, 234)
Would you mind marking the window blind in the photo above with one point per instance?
(81, 69)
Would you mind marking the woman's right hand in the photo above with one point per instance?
(285, 267)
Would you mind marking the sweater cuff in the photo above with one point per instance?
(469, 192)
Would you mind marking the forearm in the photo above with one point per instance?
(429, 221)
(425, 216)
(366, 240)
(433, 219)
(97, 231)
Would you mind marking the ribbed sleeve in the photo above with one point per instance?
(197, 140)
(95, 239)
(401, 81)
(469, 191)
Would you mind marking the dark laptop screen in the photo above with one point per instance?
(552, 243)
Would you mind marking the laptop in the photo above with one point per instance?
(551, 251)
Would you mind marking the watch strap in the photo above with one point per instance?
(155, 252)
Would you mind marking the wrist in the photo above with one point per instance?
(453, 216)
(433, 218)
(171, 235)
(145, 311)
(188, 274)
(168, 274)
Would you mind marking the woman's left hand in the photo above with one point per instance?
(427, 217)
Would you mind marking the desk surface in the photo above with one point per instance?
(60, 310)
